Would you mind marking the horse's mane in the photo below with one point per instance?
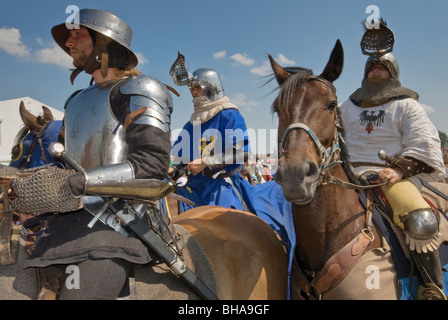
(299, 76)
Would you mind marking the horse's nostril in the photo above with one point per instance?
(312, 169)
(309, 169)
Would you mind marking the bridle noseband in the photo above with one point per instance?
(329, 157)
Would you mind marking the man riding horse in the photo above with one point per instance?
(384, 115)
(118, 128)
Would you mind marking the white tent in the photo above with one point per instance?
(11, 123)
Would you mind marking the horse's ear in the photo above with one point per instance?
(48, 115)
(29, 119)
(334, 66)
(280, 74)
(24, 113)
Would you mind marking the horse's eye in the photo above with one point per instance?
(332, 106)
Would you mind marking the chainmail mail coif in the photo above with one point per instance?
(375, 92)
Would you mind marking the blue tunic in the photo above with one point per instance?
(212, 138)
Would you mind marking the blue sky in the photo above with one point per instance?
(234, 38)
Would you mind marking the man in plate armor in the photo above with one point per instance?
(116, 129)
(384, 115)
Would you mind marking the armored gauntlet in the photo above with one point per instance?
(45, 190)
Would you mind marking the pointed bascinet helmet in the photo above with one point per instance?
(210, 82)
(112, 39)
(208, 79)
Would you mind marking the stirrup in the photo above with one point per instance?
(431, 292)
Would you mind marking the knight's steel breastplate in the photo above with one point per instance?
(93, 136)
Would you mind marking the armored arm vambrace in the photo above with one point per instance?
(410, 166)
(119, 171)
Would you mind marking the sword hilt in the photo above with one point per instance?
(383, 156)
(57, 149)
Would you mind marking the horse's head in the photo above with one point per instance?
(307, 108)
(32, 141)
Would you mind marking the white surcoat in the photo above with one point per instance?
(400, 127)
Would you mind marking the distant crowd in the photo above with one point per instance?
(259, 168)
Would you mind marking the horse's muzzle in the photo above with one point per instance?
(298, 181)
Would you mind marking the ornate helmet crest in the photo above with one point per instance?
(378, 44)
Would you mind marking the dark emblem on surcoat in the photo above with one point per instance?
(371, 119)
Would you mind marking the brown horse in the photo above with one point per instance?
(339, 253)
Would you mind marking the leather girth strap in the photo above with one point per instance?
(334, 270)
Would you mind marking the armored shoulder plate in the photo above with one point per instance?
(148, 92)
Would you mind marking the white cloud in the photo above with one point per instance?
(428, 109)
(262, 70)
(54, 55)
(11, 42)
(40, 41)
(219, 55)
(141, 58)
(242, 59)
(265, 69)
(240, 100)
(283, 61)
